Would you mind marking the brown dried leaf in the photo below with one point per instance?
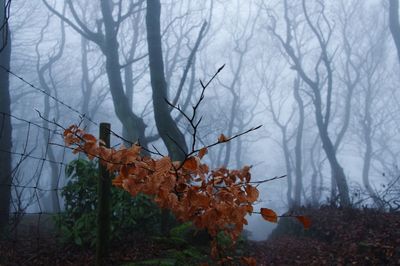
(269, 215)
(190, 164)
(252, 193)
(163, 165)
(202, 152)
(222, 138)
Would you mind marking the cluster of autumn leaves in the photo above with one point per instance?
(215, 200)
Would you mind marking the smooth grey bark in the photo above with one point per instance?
(128, 69)
(168, 130)
(330, 152)
(316, 165)
(394, 24)
(298, 187)
(5, 120)
(322, 118)
(351, 78)
(86, 85)
(367, 156)
(135, 126)
(289, 167)
(239, 147)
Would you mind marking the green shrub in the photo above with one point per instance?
(78, 222)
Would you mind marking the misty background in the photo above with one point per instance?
(322, 78)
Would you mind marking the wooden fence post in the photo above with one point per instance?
(103, 202)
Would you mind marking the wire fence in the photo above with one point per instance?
(37, 177)
(32, 181)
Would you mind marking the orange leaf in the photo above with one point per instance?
(132, 153)
(117, 181)
(191, 196)
(202, 152)
(248, 208)
(124, 171)
(306, 221)
(222, 138)
(252, 193)
(269, 215)
(190, 164)
(89, 137)
(163, 165)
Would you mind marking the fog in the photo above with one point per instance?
(321, 77)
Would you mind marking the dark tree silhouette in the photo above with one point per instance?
(105, 36)
(166, 126)
(394, 24)
(322, 115)
(5, 120)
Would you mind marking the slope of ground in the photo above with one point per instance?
(337, 237)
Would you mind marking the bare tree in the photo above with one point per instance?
(284, 143)
(44, 71)
(242, 39)
(5, 131)
(372, 113)
(278, 98)
(323, 78)
(105, 36)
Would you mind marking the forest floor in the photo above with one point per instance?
(336, 237)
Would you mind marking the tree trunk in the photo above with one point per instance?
(169, 132)
(367, 134)
(5, 129)
(128, 70)
(327, 145)
(135, 127)
(298, 148)
(394, 24)
(239, 147)
(288, 164)
(336, 169)
(233, 111)
(316, 189)
(85, 82)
